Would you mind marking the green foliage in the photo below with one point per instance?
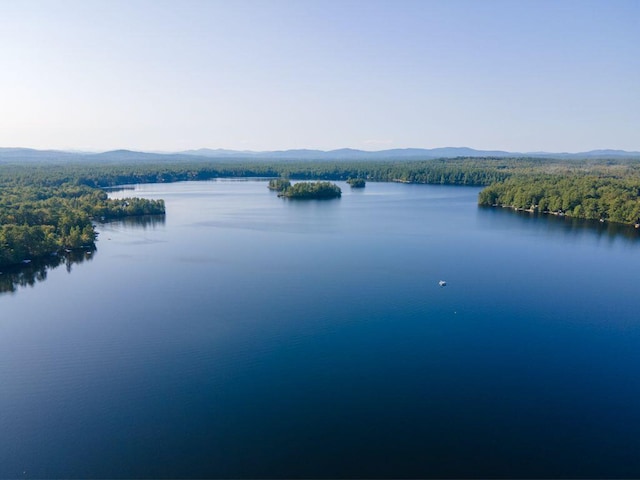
(319, 190)
(279, 184)
(450, 171)
(36, 221)
(578, 195)
(357, 182)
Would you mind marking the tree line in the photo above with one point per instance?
(606, 198)
(451, 171)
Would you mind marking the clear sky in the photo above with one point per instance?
(518, 75)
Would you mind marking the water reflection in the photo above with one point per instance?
(556, 225)
(27, 275)
(141, 221)
(119, 188)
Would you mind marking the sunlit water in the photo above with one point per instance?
(246, 335)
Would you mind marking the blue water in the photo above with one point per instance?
(246, 335)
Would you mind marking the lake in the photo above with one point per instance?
(250, 336)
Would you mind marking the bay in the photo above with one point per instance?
(249, 336)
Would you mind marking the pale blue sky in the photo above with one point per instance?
(262, 75)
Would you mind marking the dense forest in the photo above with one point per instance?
(604, 198)
(454, 171)
(47, 207)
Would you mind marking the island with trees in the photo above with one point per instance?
(357, 182)
(279, 184)
(304, 190)
(312, 190)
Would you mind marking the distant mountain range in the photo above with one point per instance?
(401, 153)
(122, 156)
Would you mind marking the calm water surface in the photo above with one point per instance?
(245, 335)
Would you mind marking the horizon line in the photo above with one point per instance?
(76, 150)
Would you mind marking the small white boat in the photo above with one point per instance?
(442, 283)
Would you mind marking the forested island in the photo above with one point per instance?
(279, 184)
(307, 190)
(357, 182)
(46, 207)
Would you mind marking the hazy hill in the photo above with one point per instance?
(20, 155)
(350, 153)
(401, 153)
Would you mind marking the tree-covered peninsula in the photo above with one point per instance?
(594, 197)
(37, 221)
